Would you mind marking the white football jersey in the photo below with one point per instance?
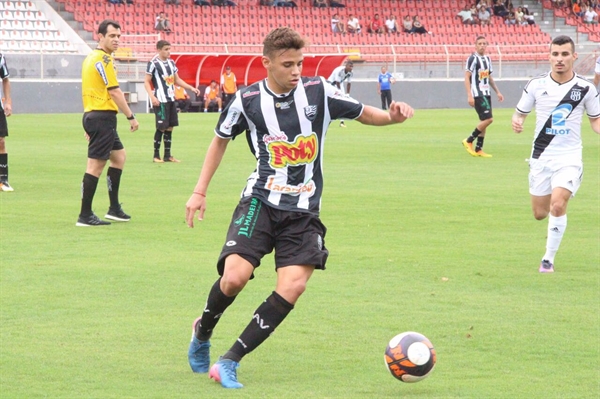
(559, 111)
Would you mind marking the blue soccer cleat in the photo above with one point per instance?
(199, 352)
(224, 371)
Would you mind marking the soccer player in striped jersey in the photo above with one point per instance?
(285, 118)
(160, 81)
(479, 84)
(340, 75)
(560, 97)
(5, 111)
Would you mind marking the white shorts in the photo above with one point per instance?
(544, 176)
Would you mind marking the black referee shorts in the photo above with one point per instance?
(101, 126)
(256, 229)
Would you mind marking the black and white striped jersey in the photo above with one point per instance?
(286, 134)
(559, 109)
(3, 74)
(480, 67)
(163, 78)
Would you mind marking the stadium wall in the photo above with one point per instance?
(62, 96)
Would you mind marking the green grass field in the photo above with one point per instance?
(422, 237)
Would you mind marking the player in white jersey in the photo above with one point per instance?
(597, 72)
(560, 98)
(340, 75)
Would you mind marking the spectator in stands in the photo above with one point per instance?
(116, 1)
(466, 16)
(474, 13)
(528, 16)
(212, 97)
(418, 26)
(202, 2)
(590, 16)
(559, 3)
(500, 9)
(228, 85)
(182, 98)
(334, 3)
(353, 25)
(162, 23)
(510, 19)
(174, 2)
(390, 25)
(337, 26)
(320, 3)
(484, 16)
(5, 111)
(285, 3)
(484, 5)
(407, 25)
(576, 8)
(520, 17)
(375, 25)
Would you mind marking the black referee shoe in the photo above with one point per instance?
(117, 215)
(92, 220)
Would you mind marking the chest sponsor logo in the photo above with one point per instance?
(284, 104)
(484, 74)
(559, 120)
(301, 152)
(170, 80)
(250, 93)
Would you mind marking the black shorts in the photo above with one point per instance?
(256, 229)
(166, 115)
(483, 106)
(101, 126)
(3, 124)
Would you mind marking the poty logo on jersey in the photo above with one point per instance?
(170, 80)
(559, 120)
(301, 151)
(101, 71)
(484, 74)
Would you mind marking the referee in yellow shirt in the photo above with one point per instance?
(102, 100)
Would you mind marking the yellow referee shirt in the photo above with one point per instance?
(98, 75)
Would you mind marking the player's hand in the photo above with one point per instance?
(500, 97)
(86, 136)
(471, 101)
(8, 109)
(155, 102)
(517, 124)
(196, 91)
(399, 111)
(196, 202)
(134, 125)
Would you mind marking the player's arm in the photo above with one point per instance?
(595, 122)
(493, 85)
(378, 87)
(517, 121)
(119, 98)
(184, 84)
(399, 112)
(197, 201)
(7, 99)
(470, 99)
(348, 86)
(596, 79)
(150, 90)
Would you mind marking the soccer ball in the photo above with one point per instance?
(410, 356)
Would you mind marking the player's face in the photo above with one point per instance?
(164, 52)
(383, 69)
(481, 46)
(110, 41)
(284, 69)
(562, 58)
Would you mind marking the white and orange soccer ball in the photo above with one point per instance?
(410, 356)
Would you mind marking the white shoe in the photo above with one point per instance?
(4, 186)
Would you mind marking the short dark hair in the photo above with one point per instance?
(479, 38)
(349, 63)
(282, 39)
(563, 39)
(103, 27)
(162, 43)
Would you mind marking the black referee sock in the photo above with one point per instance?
(157, 139)
(167, 140)
(113, 180)
(473, 135)
(266, 318)
(479, 145)
(3, 167)
(216, 304)
(88, 189)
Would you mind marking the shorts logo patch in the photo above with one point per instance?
(231, 243)
(249, 219)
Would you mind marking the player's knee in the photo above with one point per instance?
(540, 214)
(232, 283)
(558, 208)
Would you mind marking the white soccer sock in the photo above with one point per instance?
(556, 229)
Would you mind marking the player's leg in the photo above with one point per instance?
(483, 109)
(159, 116)
(113, 179)
(4, 185)
(172, 118)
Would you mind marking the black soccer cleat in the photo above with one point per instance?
(92, 220)
(117, 215)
